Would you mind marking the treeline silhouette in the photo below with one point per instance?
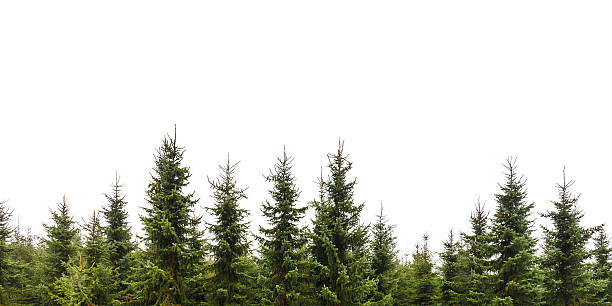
(181, 259)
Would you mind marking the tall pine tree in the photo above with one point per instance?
(230, 245)
(283, 242)
(565, 254)
(117, 232)
(516, 277)
(340, 239)
(168, 227)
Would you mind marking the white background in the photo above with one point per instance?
(430, 97)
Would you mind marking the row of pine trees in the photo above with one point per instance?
(181, 259)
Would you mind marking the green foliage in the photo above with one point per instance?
(61, 240)
(88, 279)
(565, 254)
(601, 268)
(85, 284)
(516, 278)
(96, 248)
(230, 246)
(339, 240)
(283, 243)
(60, 245)
(144, 281)
(5, 251)
(337, 260)
(451, 289)
(424, 285)
(319, 242)
(474, 261)
(384, 257)
(168, 225)
(401, 293)
(195, 276)
(118, 234)
(26, 270)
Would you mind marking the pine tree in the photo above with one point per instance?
(283, 242)
(96, 251)
(88, 279)
(565, 254)
(384, 257)
(83, 284)
(402, 293)
(516, 278)
(60, 246)
(168, 227)
(117, 232)
(60, 242)
(96, 248)
(340, 241)
(230, 245)
(602, 268)
(318, 235)
(424, 285)
(476, 266)
(450, 288)
(5, 251)
(195, 277)
(26, 275)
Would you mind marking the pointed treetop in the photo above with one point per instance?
(511, 165)
(340, 146)
(480, 208)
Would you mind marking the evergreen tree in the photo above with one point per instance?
(450, 288)
(84, 284)
(402, 293)
(230, 246)
(283, 243)
(195, 277)
(96, 252)
(88, 279)
(340, 241)
(335, 263)
(565, 254)
(602, 268)
(168, 227)
(384, 257)
(516, 277)
(476, 265)
(96, 248)
(319, 243)
(117, 232)
(5, 251)
(424, 285)
(26, 272)
(60, 242)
